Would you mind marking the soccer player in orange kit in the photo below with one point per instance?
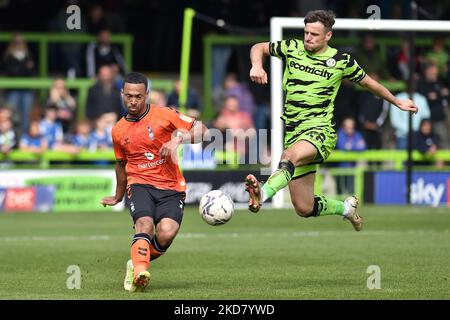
(145, 143)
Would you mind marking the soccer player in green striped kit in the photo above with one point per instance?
(312, 76)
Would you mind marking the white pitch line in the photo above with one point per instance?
(298, 234)
(55, 238)
(228, 235)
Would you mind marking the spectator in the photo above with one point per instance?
(109, 120)
(100, 137)
(235, 123)
(344, 103)
(104, 96)
(98, 20)
(192, 102)
(158, 98)
(7, 136)
(439, 56)
(51, 128)
(5, 114)
(370, 58)
(424, 139)
(426, 142)
(403, 61)
(65, 104)
(33, 140)
(18, 63)
(372, 115)
(399, 118)
(349, 139)
(232, 87)
(437, 97)
(82, 137)
(232, 117)
(101, 53)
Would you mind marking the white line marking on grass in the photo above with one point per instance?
(55, 238)
(298, 234)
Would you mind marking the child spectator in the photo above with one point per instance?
(426, 142)
(7, 136)
(33, 140)
(51, 128)
(100, 137)
(82, 137)
(53, 132)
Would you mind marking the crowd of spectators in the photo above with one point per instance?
(27, 122)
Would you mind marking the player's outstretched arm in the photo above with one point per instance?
(194, 135)
(257, 54)
(121, 179)
(379, 90)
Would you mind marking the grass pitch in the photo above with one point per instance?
(270, 255)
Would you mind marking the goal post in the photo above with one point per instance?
(278, 24)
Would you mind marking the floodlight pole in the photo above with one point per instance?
(189, 14)
(411, 90)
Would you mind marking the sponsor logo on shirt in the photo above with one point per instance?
(312, 70)
(150, 165)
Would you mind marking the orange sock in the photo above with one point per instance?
(140, 252)
(155, 249)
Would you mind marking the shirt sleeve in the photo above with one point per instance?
(278, 49)
(179, 120)
(353, 71)
(118, 151)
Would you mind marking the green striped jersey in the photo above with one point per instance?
(311, 82)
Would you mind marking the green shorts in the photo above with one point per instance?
(323, 138)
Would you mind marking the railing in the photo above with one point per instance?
(44, 39)
(396, 157)
(81, 85)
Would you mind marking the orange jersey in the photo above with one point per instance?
(138, 141)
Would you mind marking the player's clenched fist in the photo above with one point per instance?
(258, 75)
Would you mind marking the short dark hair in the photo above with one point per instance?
(136, 78)
(326, 17)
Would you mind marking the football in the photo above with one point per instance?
(216, 207)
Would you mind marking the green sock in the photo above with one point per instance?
(327, 206)
(277, 181)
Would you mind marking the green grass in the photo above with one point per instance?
(272, 255)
